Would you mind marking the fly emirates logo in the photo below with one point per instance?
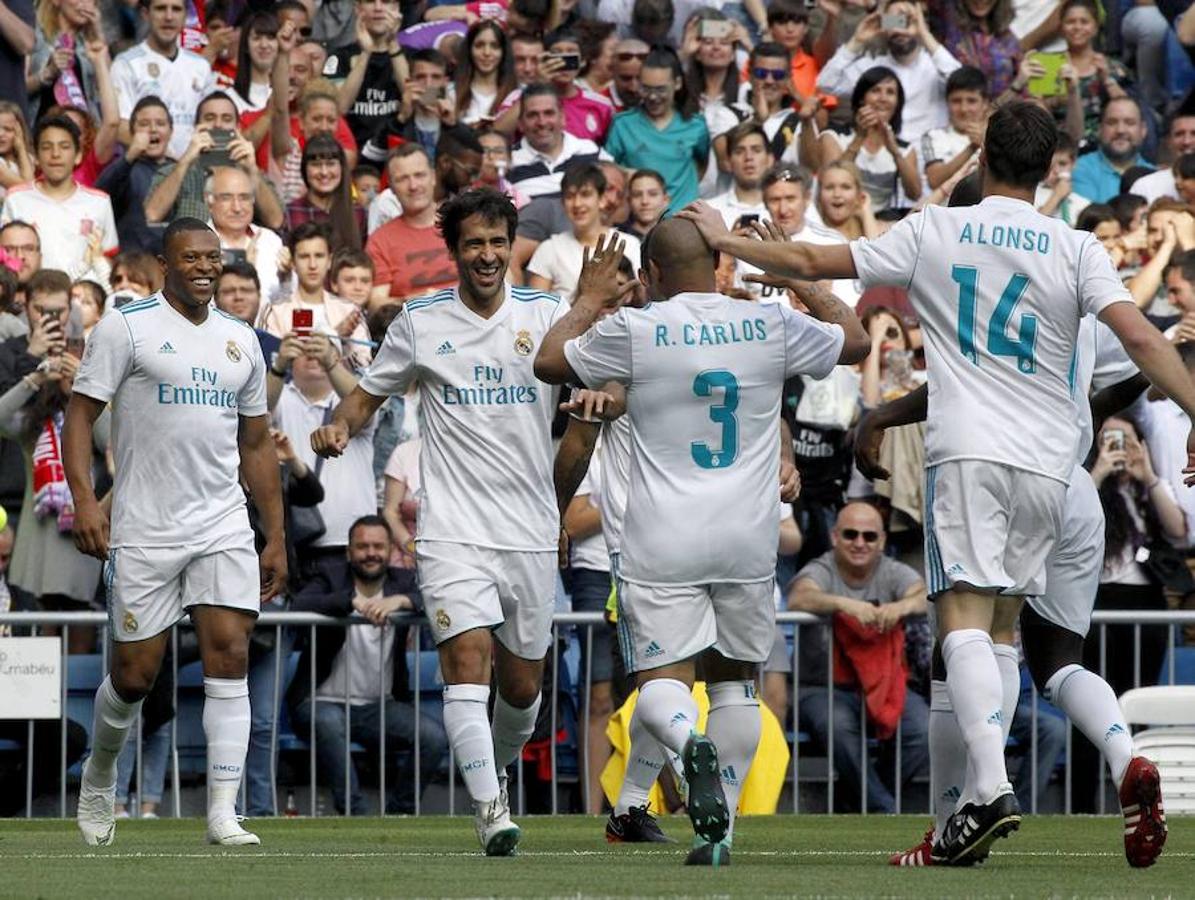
(204, 391)
(488, 390)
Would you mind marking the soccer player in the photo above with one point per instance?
(1000, 291)
(488, 525)
(187, 388)
(697, 557)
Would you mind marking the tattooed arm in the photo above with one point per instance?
(824, 306)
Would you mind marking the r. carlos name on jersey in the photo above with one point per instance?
(488, 389)
(706, 334)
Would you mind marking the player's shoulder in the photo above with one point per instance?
(136, 53)
(237, 326)
(535, 297)
(441, 301)
(136, 307)
(193, 60)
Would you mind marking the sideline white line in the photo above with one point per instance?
(250, 855)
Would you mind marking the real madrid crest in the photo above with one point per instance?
(233, 351)
(130, 622)
(442, 620)
(153, 70)
(523, 343)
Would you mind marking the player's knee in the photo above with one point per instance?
(465, 658)
(133, 681)
(520, 690)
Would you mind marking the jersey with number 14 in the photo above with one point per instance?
(1000, 290)
(704, 375)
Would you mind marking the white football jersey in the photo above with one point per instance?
(178, 391)
(615, 480)
(180, 83)
(704, 375)
(1101, 361)
(486, 465)
(999, 289)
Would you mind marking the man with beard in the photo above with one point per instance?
(911, 51)
(488, 523)
(1122, 132)
(353, 662)
(188, 394)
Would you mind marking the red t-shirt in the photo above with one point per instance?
(413, 261)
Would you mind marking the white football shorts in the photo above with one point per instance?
(990, 526)
(511, 592)
(151, 588)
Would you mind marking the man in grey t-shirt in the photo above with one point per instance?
(855, 579)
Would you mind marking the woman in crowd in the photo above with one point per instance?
(256, 54)
(712, 72)
(888, 165)
(1170, 229)
(842, 203)
(1099, 79)
(597, 55)
(136, 273)
(328, 198)
(63, 63)
(1101, 220)
(87, 301)
(16, 161)
(976, 32)
(485, 72)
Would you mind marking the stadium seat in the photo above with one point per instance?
(1168, 740)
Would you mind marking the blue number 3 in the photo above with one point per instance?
(723, 414)
(999, 343)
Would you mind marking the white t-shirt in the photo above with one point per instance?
(881, 177)
(999, 290)
(486, 462)
(559, 259)
(64, 225)
(615, 479)
(942, 145)
(1156, 185)
(180, 82)
(371, 649)
(349, 491)
(178, 392)
(732, 209)
(1100, 362)
(704, 375)
(719, 119)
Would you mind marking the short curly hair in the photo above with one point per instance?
(493, 207)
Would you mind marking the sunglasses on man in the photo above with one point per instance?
(853, 534)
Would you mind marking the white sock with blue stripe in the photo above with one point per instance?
(668, 712)
(1090, 703)
(973, 681)
(734, 725)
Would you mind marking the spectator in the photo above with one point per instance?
(317, 114)
(178, 188)
(485, 73)
(459, 155)
(665, 133)
(352, 277)
(87, 305)
(98, 145)
(1141, 516)
(371, 71)
(526, 50)
(750, 160)
(45, 563)
(546, 150)
(1145, 31)
(16, 148)
(556, 265)
(977, 33)
(1170, 228)
(229, 194)
(408, 253)
(300, 406)
(159, 66)
(946, 151)
(426, 109)
(887, 164)
(257, 55)
(871, 600)
(136, 273)
(629, 54)
(788, 25)
(1180, 294)
(598, 40)
(615, 202)
(1100, 219)
(311, 255)
(888, 371)
(648, 196)
(216, 39)
(1097, 78)
(328, 198)
(367, 183)
(21, 242)
(711, 70)
(400, 506)
(842, 202)
(129, 179)
(1180, 140)
(651, 20)
(495, 165)
(238, 293)
(770, 99)
(16, 43)
(59, 61)
(351, 663)
(920, 62)
(1056, 195)
(79, 218)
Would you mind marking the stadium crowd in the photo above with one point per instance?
(318, 138)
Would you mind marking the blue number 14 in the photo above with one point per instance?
(999, 343)
(722, 413)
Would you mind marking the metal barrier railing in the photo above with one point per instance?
(35, 621)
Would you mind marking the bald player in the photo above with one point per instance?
(703, 375)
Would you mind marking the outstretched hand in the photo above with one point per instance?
(598, 284)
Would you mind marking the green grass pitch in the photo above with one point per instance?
(774, 856)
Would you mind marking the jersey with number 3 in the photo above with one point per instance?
(704, 375)
(1000, 290)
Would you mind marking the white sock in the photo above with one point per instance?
(734, 725)
(645, 759)
(467, 724)
(947, 756)
(226, 721)
(1008, 661)
(114, 718)
(668, 711)
(512, 729)
(973, 681)
(1091, 704)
